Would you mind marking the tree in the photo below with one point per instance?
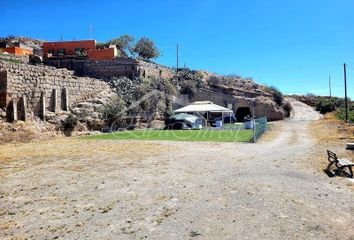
(101, 45)
(146, 49)
(123, 43)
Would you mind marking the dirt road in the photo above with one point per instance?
(76, 189)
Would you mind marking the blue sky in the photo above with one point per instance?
(291, 44)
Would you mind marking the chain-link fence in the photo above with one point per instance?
(261, 126)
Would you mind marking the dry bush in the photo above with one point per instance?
(288, 108)
(331, 133)
(331, 130)
(26, 131)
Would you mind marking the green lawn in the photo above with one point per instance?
(178, 135)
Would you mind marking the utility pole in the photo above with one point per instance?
(177, 57)
(330, 88)
(345, 89)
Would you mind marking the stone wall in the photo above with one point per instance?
(109, 69)
(3, 83)
(32, 90)
(149, 69)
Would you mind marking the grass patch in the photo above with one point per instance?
(178, 135)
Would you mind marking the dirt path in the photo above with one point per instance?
(174, 190)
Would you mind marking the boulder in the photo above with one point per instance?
(2, 114)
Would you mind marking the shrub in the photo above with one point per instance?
(101, 45)
(170, 88)
(188, 75)
(277, 95)
(189, 87)
(214, 81)
(233, 75)
(35, 60)
(114, 110)
(70, 123)
(325, 104)
(287, 108)
(121, 85)
(341, 114)
(164, 102)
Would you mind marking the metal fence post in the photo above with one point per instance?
(254, 125)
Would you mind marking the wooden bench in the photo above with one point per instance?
(340, 163)
(350, 146)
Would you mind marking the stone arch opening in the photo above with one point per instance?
(242, 112)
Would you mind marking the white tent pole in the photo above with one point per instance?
(207, 119)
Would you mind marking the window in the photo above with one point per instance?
(80, 51)
(61, 52)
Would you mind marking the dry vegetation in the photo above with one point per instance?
(78, 149)
(26, 132)
(331, 133)
(53, 167)
(273, 132)
(76, 188)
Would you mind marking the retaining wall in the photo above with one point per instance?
(40, 88)
(109, 69)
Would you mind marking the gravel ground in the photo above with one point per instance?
(77, 189)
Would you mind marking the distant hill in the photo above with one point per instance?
(311, 99)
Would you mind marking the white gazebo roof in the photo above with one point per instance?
(203, 106)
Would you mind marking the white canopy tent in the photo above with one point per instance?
(205, 106)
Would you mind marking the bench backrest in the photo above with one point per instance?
(331, 155)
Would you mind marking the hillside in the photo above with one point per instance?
(131, 99)
(30, 42)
